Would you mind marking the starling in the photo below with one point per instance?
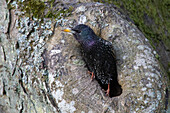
(99, 57)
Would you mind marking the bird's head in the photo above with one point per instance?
(82, 33)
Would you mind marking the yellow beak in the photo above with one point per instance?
(67, 30)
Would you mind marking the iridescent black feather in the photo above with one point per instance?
(99, 57)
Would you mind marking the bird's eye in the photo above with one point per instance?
(77, 31)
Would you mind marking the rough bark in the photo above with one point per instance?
(41, 69)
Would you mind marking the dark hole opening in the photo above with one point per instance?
(115, 88)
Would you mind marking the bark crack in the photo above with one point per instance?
(9, 24)
(48, 93)
(21, 83)
(13, 72)
(51, 98)
(4, 91)
(4, 53)
(22, 107)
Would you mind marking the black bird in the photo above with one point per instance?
(99, 57)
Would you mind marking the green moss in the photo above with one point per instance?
(157, 56)
(39, 9)
(33, 8)
(151, 17)
(169, 72)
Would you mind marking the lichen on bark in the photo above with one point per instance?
(41, 69)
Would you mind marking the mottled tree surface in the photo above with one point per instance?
(41, 69)
(151, 17)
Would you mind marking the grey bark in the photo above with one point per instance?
(41, 69)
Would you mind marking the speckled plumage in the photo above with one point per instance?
(99, 57)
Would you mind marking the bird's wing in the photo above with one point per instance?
(108, 60)
(108, 46)
(88, 60)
